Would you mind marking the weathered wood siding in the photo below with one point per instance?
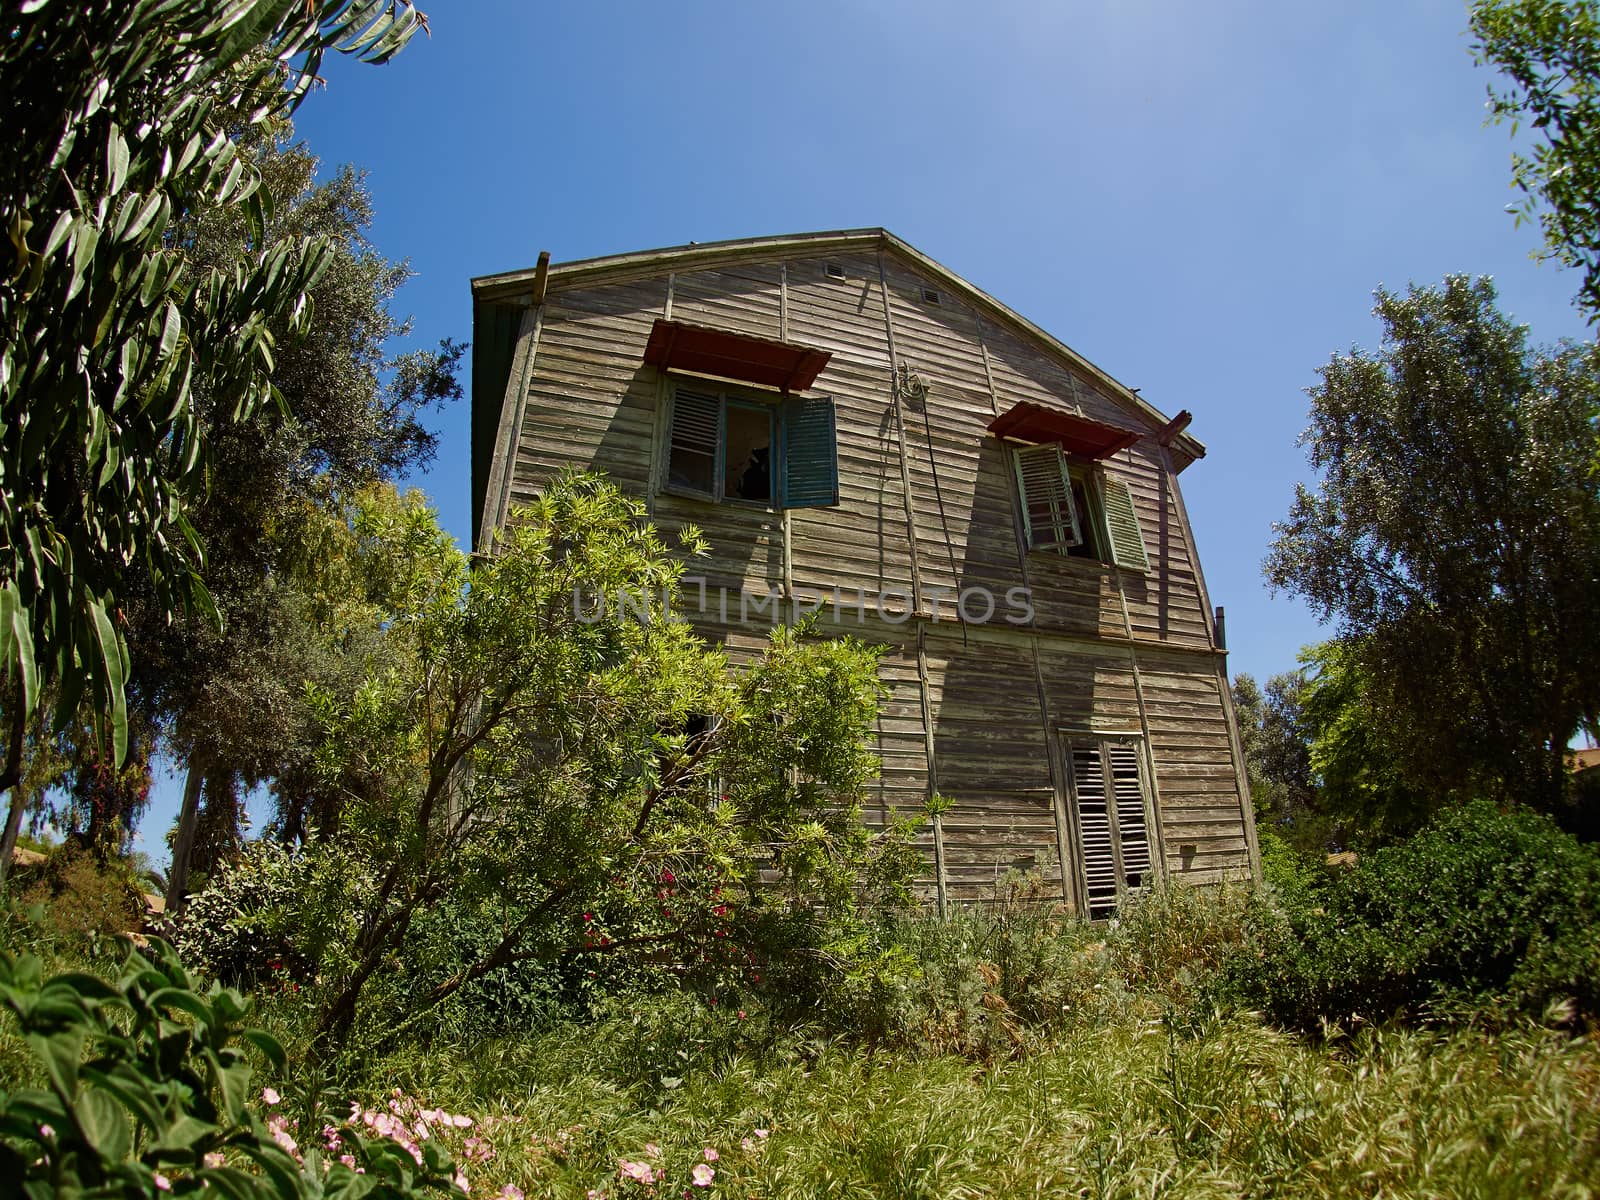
(928, 508)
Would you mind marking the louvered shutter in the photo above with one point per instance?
(1049, 518)
(1122, 523)
(1091, 800)
(694, 443)
(810, 453)
(1133, 834)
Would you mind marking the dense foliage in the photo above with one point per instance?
(1483, 910)
(1549, 51)
(1454, 533)
(230, 698)
(106, 335)
(1326, 772)
(1121, 1107)
(1007, 1048)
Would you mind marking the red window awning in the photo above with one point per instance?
(674, 345)
(1077, 435)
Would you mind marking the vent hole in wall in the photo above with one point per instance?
(833, 271)
(929, 296)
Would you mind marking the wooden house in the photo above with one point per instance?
(862, 433)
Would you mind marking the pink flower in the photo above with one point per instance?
(348, 1160)
(741, 1014)
(270, 1095)
(461, 1122)
(639, 1172)
(651, 1150)
(511, 1192)
(711, 1154)
(48, 1131)
(213, 1159)
(162, 1182)
(461, 1181)
(702, 1175)
(761, 1133)
(746, 1145)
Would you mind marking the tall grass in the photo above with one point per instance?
(1134, 1108)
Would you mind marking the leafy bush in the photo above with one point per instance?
(1498, 910)
(146, 1093)
(239, 927)
(1014, 974)
(271, 916)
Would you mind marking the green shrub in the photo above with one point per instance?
(1003, 978)
(1496, 910)
(1289, 870)
(272, 916)
(241, 929)
(146, 1089)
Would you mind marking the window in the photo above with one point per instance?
(1107, 789)
(749, 447)
(1074, 510)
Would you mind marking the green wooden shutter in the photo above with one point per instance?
(1122, 522)
(1049, 518)
(1091, 803)
(694, 443)
(810, 453)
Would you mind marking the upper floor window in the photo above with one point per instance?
(1074, 510)
(730, 445)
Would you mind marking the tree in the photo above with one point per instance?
(1356, 751)
(1455, 535)
(540, 752)
(231, 698)
(1550, 52)
(1276, 754)
(105, 335)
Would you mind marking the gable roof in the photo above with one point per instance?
(492, 322)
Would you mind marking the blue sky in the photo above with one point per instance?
(1200, 199)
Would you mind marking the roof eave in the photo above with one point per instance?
(507, 284)
(645, 261)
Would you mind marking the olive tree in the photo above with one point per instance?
(1454, 536)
